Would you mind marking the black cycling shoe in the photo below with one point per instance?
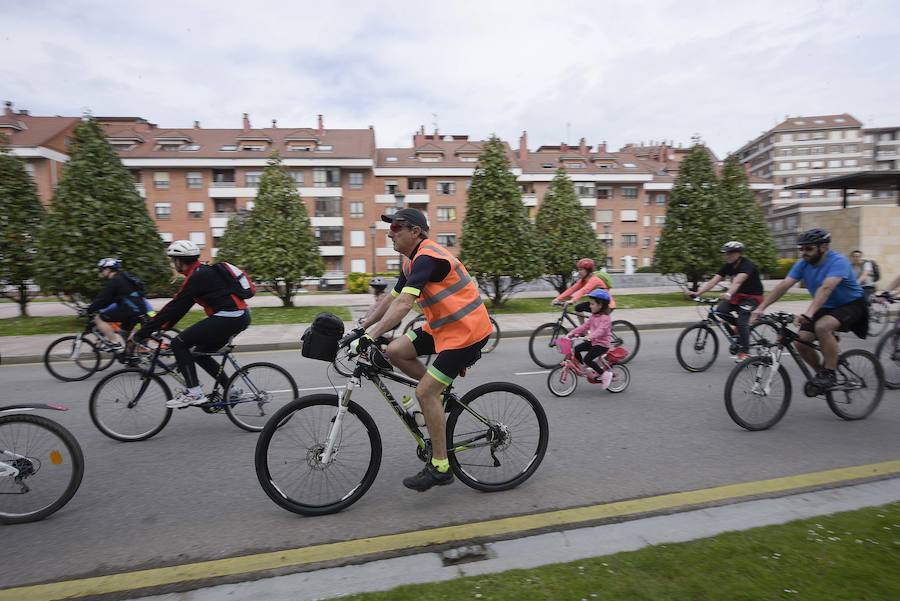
(825, 379)
(428, 477)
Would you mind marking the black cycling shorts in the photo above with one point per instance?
(848, 315)
(125, 316)
(448, 363)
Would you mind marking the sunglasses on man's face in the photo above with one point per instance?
(396, 226)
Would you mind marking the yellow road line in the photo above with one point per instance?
(131, 581)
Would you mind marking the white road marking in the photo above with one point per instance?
(321, 388)
(531, 373)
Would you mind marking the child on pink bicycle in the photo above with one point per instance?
(597, 330)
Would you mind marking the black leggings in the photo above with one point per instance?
(742, 323)
(592, 353)
(206, 336)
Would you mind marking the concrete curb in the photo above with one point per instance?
(282, 346)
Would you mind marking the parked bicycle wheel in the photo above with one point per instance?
(562, 381)
(494, 338)
(72, 358)
(542, 344)
(289, 452)
(620, 380)
(49, 463)
(628, 337)
(500, 440)
(755, 398)
(697, 347)
(888, 354)
(860, 385)
(879, 317)
(129, 405)
(256, 392)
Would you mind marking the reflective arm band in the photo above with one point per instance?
(394, 293)
(409, 290)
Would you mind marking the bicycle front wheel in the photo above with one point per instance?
(493, 339)
(344, 362)
(542, 344)
(562, 381)
(762, 336)
(130, 404)
(625, 334)
(860, 385)
(289, 451)
(49, 466)
(72, 358)
(697, 348)
(256, 392)
(497, 436)
(755, 397)
(888, 353)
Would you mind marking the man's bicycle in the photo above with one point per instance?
(130, 404)
(758, 390)
(698, 346)
(41, 464)
(888, 349)
(321, 453)
(542, 344)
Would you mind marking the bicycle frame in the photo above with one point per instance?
(719, 320)
(566, 315)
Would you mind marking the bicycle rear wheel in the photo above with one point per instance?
(620, 380)
(878, 317)
(755, 398)
(71, 359)
(542, 344)
(888, 353)
(860, 385)
(289, 452)
(130, 404)
(562, 381)
(697, 347)
(415, 323)
(493, 339)
(497, 436)
(256, 392)
(625, 334)
(49, 463)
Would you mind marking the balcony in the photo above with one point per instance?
(588, 201)
(529, 200)
(141, 190)
(331, 251)
(417, 197)
(331, 191)
(228, 190)
(220, 219)
(327, 221)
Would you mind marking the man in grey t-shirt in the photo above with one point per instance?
(864, 272)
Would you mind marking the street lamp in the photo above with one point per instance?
(398, 199)
(372, 230)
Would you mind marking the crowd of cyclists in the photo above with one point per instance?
(456, 321)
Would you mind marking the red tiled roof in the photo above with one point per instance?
(38, 130)
(451, 149)
(824, 122)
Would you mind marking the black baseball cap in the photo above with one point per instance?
(411, 216)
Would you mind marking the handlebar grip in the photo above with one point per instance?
(354, 334)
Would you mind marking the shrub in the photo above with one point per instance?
(782, 267)
(358, 282)
(645, 269)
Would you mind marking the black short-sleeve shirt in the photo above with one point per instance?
(424, 269)
(752, 285)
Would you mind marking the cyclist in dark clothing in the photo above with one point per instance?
(743, 295)
(121, 300)
(227, 315)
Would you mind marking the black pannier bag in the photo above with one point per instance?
(320, 340)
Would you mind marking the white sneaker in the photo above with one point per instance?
(185, 399)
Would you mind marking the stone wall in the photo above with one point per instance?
(873, 230)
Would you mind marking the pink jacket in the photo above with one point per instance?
(581, 287)
(599, 329)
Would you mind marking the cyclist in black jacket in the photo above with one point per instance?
(227, 315)
(125, 292)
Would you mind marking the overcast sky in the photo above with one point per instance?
(616, 71)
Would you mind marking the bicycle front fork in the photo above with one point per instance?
(343, 405)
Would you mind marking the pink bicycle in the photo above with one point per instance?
(563, 379)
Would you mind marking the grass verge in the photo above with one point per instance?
(849, 556)
(27, 326)
(623, 301)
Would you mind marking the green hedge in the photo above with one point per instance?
(358, 283)
(782, 268)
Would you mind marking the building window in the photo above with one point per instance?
(629, 240)
(604, 215)
(391, 186)
(628, 215)
(358, 265)
(787, 137)
(356, 180)
(195, 210)
(850, 162)
(446, 187)
(585, 190)
(356, 209)
(850, 148)
(390, 210)
(416, 183)
(166, 237)
(646, 241)
(574, 165)
(329, 235)
(785, 166)
(326, 177)
(834, 163)
(629, 191)
(393, 264)
(296, 176)
(446, 213)
(661, 199)
(161, 180)
(448, 240)
(194, 179)
(660, 220)
(328, 207)
(198, 238)
(357, 238)
(163, 210)
(251, 178)
(604, 193)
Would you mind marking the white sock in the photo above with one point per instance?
(195, 391)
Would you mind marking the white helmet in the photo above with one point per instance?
(109, 263)
(183, 248)
(732, 246)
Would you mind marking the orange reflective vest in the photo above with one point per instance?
(454, 312)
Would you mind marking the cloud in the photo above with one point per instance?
(615, 71)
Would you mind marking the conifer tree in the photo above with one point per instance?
(741, 218)
(275, 243)
(96, 212)
(564, 233)
(21, 214)
(498, 242)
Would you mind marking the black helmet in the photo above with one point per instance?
(732, 246)
(378, 282)
(814, 236)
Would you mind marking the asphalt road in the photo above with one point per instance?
(191, 492)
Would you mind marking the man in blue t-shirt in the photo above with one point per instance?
(838, 302)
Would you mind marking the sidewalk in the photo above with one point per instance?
(29, 349)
